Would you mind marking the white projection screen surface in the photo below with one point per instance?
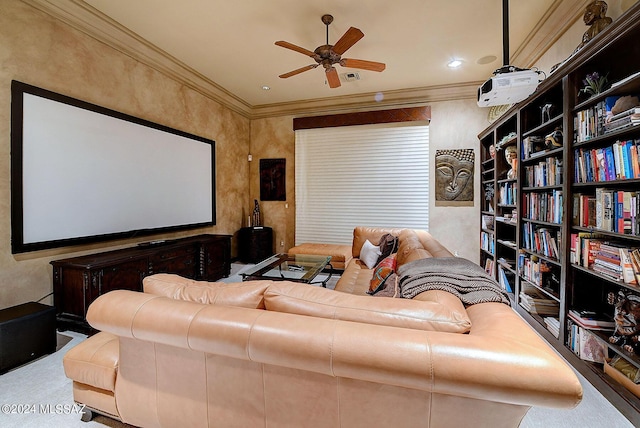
(88, 174)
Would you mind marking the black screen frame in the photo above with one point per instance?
(18, 244)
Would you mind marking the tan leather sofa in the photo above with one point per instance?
(413, 244)
(262, 353)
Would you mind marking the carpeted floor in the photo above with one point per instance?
(44, 395)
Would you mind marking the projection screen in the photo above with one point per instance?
(83, 173)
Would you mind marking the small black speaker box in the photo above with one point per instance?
(27, 332)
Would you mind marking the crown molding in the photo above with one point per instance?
(93, 23)
(554, 23)
(367, 102)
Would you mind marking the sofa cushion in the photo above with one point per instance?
(94, 361)
(370, 254)
(390, 287)
(388, 245)
(410, 247)
(319, 302)
(373, 234)
(244, 294)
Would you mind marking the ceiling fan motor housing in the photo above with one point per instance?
(326, 56)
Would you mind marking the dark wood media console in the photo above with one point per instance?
(78, 281)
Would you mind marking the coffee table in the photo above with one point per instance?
(290, 267)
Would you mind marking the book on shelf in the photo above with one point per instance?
(509, 263)
(533, 146)
(590, 348)
(503, 280)
(634, 255)
(547, 172)
(609, 210)
(487, 242)
(544, 206)
(592, 320)
(589, 123)
(618, 161)
(584, 246)
(487, 222)
(585, 344)
(625, 80)
(616, 124)
(626, 113)
(489, 266)
(553, 325)
(535, 302)
(584, 210)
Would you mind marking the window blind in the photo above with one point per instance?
(369, 175)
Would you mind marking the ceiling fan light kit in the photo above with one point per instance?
(329, 55)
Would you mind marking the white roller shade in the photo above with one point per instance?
(370, 175)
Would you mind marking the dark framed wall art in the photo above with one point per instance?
(272, 180)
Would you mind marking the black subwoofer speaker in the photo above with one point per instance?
(27, 332)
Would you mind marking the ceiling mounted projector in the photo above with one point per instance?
(508, 85)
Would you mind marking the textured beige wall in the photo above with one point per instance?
(454, 125)
(273, 138)
(36, 49)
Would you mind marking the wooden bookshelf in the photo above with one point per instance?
(545, 198)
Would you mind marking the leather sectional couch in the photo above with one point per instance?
(262, 353)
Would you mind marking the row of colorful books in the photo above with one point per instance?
(508, 193)
(541, 240)
(599, 120)
(584, 248)
(608, 210)
(620, 161)
(487, 242)
(589, 123)
(547, 172)
(546, 206)
(534, 270)
(613, 260)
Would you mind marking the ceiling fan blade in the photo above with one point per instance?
(295, 48)
(347, 40)
(333, 78)
(362, 64)
(298, 71)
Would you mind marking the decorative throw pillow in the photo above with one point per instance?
(390, 288)
(384, 270)
(369, 254)
(388, 245)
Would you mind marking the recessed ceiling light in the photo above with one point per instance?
(266, 88)
(455, 63)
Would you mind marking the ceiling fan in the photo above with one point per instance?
(329, 55)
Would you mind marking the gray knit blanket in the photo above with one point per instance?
(456, 275)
